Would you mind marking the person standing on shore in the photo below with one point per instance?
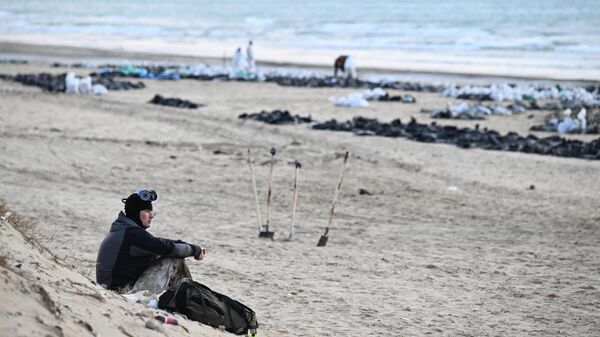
(238, 63)
(250, 62)
(131, 259)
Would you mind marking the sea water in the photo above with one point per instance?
(509, 36)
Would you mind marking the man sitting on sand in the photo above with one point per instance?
(131, 259)
(345, 64)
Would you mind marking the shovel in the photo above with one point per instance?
(323, 239)
(295, 199)
(265, 233)
(250, 161)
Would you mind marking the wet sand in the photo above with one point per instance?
(451, 242)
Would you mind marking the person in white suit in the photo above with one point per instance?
(250, 62)
(238, 62)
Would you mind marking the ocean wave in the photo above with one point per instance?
(526, 43)
(579, 48)
(405, 25)
(260, 21)
(125, 30)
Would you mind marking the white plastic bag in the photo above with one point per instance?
(71, 84)
(99, 89)
(352, 100)
(374, 93)
(85, 85)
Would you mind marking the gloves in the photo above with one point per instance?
(197, 251)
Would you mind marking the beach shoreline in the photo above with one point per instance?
(72, 53)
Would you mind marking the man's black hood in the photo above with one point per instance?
(134, 205)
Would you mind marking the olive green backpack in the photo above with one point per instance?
(199, 303)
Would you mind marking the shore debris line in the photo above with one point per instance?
(175, 102)
(568, 122)
(530, 96)
(583, 122)
(554, 98)
(280, 76)
(464, 110)
(277, 117)
(433, 133)
(13, 61)
(589, 95)
(59, 83)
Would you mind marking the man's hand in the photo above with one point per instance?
(201, 255)
(199, 252)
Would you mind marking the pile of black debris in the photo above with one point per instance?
(13, 61)
(467, 138)
(465, 110)
(46, 81)
(175, 102)
(176, 73)
(56, 83)
(112, 84)
(397, 98)
(333, 82)
(276, 117)
(433, 133)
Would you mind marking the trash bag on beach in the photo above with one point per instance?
(351, 100)
(568, 124)
(85, 85)
(99, 89)
(373, 94)
(71, 84)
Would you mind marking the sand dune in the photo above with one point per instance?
(42, 295)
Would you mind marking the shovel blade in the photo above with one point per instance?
(266, 234)
(322, 241)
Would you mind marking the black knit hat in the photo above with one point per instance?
(134, 205)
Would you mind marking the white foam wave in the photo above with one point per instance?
(402, 25)
(527, 43)
(579, 48)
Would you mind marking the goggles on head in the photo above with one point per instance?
(147, 195)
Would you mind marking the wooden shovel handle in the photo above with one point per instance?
(269, 192)
(337, 190)
(295, 199)
(255, 192)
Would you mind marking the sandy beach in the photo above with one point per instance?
(447, 241)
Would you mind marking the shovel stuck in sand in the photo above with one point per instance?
(324, 237)
(295, 199)
(265, 233)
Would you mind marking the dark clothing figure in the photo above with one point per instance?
(346, 65)
(128, 249)
(339, 63)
